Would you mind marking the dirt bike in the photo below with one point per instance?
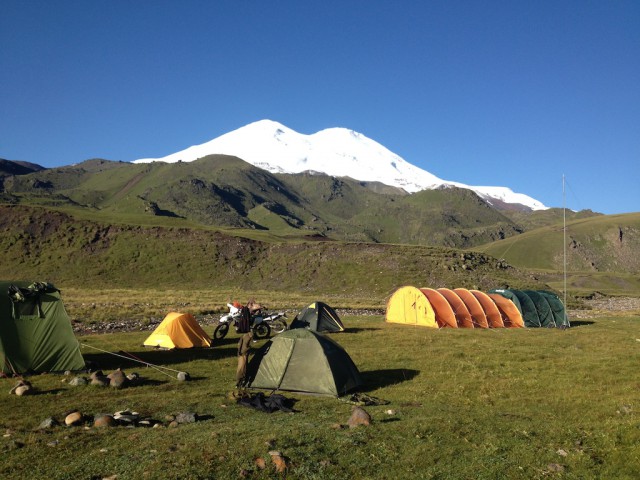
(261, 325)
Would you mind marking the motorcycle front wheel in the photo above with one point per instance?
(261, 330)
(221, 331)
(278, 326)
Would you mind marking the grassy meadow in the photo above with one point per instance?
(463, 404)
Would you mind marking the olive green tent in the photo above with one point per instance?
(302, 360)
(319, 317)
(35, 330)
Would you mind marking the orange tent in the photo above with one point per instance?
(178, 330)
(444, 313)
(475, 308)
(494, 318)
(463, 316)
(510, 313)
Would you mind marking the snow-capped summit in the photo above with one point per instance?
(339, 152)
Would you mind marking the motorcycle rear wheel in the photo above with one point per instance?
(278, 326)
(221, 331)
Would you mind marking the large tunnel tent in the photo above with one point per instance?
(537, 307)
(409, 305)
(463, 308)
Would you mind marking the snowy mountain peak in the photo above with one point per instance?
(335, 151)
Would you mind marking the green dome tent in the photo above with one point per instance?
(302, 360)
(35, 331)
(318, 317)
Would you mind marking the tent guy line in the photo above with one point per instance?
(133, 358)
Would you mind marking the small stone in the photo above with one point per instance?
(22, 385)
(100, 381)
(562, 453)
(390, 412)
(260, 463)
(74, 418)
(359, 416)
(555, 467)
(24, 390)
(14, 445)
(117, 379)
(48, 423)
(337, 426)
(184, 376)
(97, 374)
(186, 417)
(278, 460)
(78, 381)
(104, 420)
(173, 424)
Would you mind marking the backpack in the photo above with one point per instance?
(244, 322)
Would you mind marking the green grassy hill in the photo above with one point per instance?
(601, 254)
(42, 244)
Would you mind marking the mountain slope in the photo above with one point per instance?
(223, 191)
(335, 151)
(61, 248)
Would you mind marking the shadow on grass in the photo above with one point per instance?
(375, 379)
(122, 359)
(581, 323)
(359, 329)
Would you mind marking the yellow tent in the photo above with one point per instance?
(178, 330)
(409, 305)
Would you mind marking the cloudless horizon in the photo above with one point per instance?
(513, 94)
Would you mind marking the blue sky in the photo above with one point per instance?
(507, 93)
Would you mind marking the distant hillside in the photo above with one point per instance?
(40, 244)
(16, 167)
(602, 253)
(226, 192)
(602, 243)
